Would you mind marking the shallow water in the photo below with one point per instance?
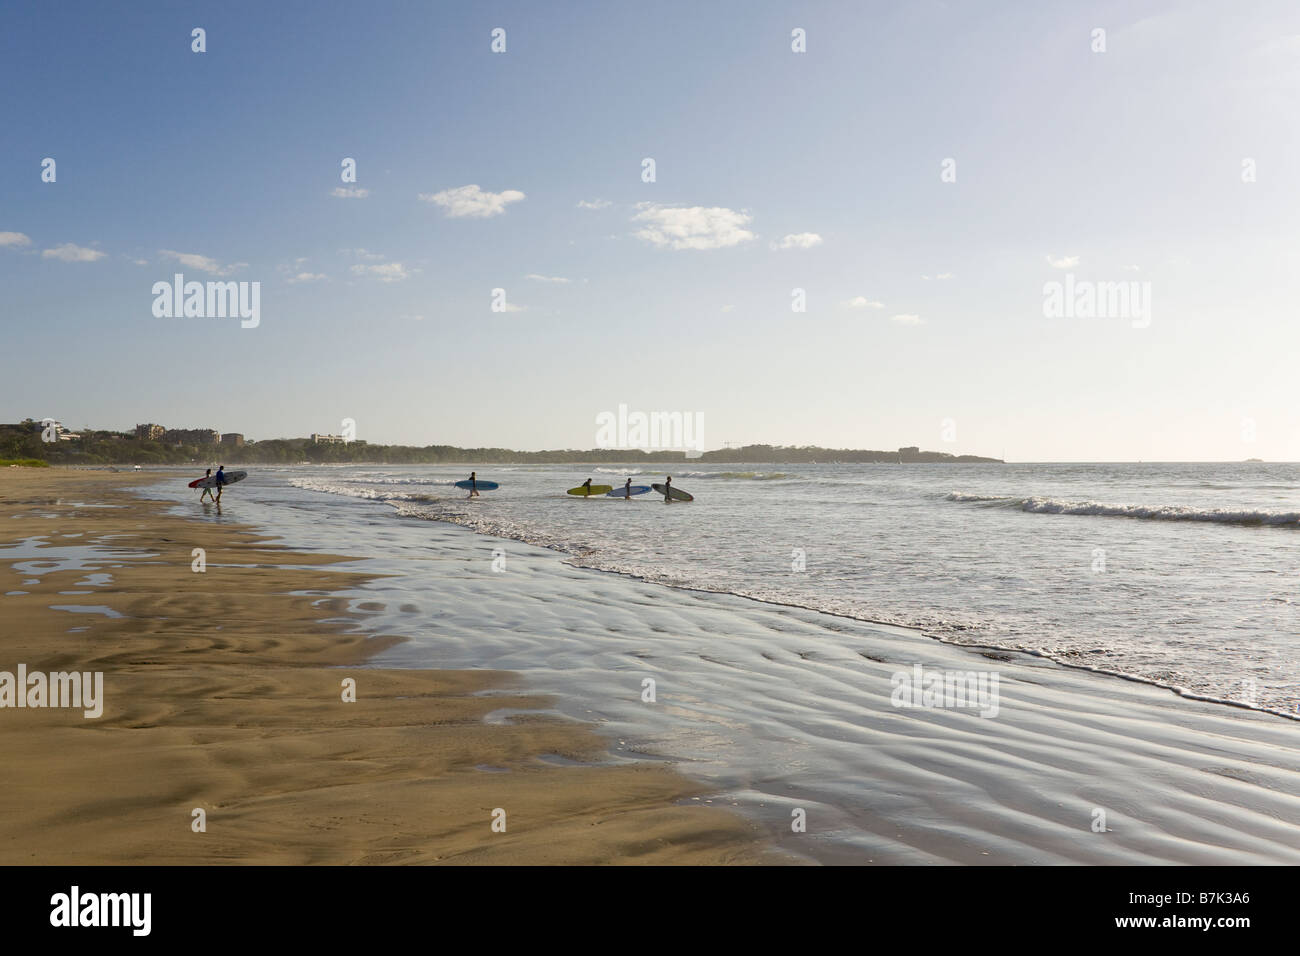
(783, 709)
(1180, 574)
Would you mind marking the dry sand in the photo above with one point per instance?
(223, 692)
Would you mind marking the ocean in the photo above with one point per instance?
(775, 613)
(1180, 574)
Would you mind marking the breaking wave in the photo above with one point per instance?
(1053, 506)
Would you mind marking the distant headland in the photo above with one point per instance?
(155, 445)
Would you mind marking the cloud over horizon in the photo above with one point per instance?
(691, 227)
(384, 272)
(799, 240)
(471, 202)
(68, 252)
(192, 260)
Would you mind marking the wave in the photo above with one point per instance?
(349, 490)
(969, 633)
(949, 626)
(1052, 506)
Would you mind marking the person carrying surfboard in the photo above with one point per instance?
(586, 488)
(627, 490)
(668, 490)
(207, 489)
(220, 481)
(473, 485)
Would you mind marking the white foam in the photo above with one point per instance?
(1042, 505)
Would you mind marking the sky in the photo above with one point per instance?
(924, 172)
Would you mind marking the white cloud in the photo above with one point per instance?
(359, 253)
(1065, 262)
(72, 253)
(942, 276)
(862, 302)
(385, 272)
(350, 192)
(140, 262)
(1132, 268)
(511, 307)
(693, 227)
(728, 308)
(907, 319)
(472, 202)
(536, 277)
(305, 277)
(192, 260)
(14, 239)
(594, 204)
(799, 240)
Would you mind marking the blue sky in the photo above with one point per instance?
(924, 297)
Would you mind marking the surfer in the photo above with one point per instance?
(473, 485)
(586, 488)
(220, 481)
(668, 490)
(207, 489)
(627, 490)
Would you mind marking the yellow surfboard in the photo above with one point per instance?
(593, 491)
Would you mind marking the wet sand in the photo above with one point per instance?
(223, 692)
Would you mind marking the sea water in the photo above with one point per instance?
(749, 607)
(1181, 574)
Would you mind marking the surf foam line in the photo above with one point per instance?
(348, 490)
(1052, 506)
(944, 632)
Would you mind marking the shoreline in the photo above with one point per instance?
(767, 708)
(782, 707)
(222, 694)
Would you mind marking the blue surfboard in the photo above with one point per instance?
(622, 492)
(480, 484)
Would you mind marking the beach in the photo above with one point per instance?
(223, 693)
(614, 719)
(774, 734)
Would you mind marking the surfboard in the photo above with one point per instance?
(595, 490)
(622, 493)
(210, 481)
(677, 493)
(479, 483)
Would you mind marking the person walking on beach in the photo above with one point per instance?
(627, 490)
(221, 481)
(668, 490)
(473, 485)
(207, 489)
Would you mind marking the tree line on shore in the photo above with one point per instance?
(96, 447)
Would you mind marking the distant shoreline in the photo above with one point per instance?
(95, 447)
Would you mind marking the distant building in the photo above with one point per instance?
(910, 450)
(326, 439)
(149, 432)
(193, 436)
(233, 438)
